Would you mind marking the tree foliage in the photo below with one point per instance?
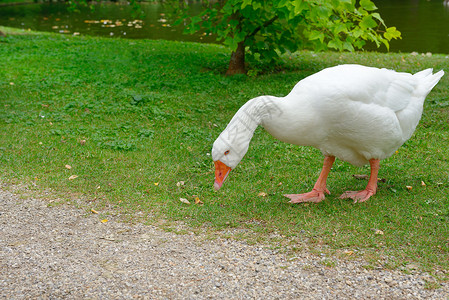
(265, 29)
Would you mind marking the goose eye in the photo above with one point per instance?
(226, 152)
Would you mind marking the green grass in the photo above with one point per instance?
(133, 118)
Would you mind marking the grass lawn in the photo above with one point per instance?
(135, 121)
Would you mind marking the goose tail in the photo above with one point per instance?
(428, 80)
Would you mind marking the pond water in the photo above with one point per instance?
(424, 23)
(108, 19)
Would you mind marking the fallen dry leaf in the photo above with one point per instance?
(180, 183)
(379, 232)
(104, 221)
(73, 177)
(262, 194)
(409, 187)
(94, 211)
(198, 201)
(68, 167)
(423, 183)
(184, 200)
(156, 183)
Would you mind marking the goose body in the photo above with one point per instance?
(355, 113)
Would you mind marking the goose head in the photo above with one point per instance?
(232, 144)
(227, 152)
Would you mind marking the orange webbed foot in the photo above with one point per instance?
(314, 196)
(358, 196)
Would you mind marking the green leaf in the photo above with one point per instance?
(387, 45)
(196, 19)
(359, 44)
(231, 43)
(323, 12)
(299, 6)
(392, 33)
(368, 5)
(367, 22)
(282, 3)
(348, 46)
(378, 17)
(233, 23)
(348, 5)
(239, 36)
(246, 3)
(336, 44)
(340, 27)
(257, 5)
(227, 9)
(375, 38)
(316, 35)
(358, 32)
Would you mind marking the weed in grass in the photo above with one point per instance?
(431, 285)
(128, 114)
(329, 263)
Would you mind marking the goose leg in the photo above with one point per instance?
(317, 193)
(370, 189)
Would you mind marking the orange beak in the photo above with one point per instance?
(221, 172)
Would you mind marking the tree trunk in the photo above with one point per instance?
(237, 62)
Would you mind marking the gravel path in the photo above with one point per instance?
(64, 253)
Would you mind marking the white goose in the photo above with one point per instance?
(355, 113)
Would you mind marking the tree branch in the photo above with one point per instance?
(266, 24)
